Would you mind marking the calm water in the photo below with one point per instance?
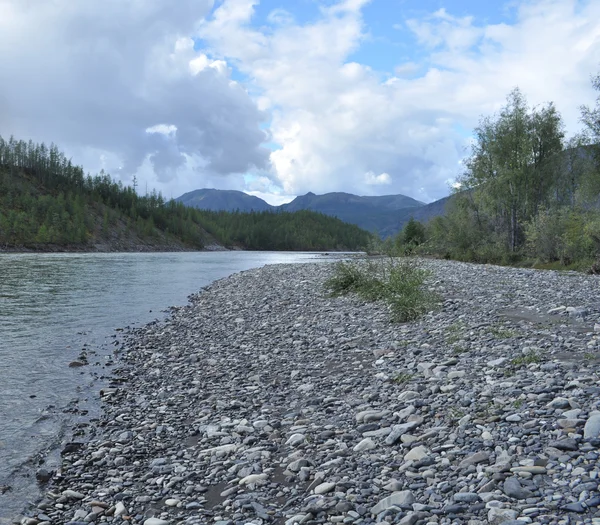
(53, 306)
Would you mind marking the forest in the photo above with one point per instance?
(527, 195)
(47, 202)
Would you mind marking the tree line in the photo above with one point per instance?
(527, 194)
(47, 200)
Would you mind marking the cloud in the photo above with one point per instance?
(122, 86)
(375, 180)
(102, 79)
(335, 119)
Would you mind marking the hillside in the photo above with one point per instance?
(48, 204)
(223, 200)
(384, 215)
(422, 214)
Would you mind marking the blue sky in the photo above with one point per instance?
(278, 98)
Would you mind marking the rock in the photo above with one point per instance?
(252, 478)
(559, 402)
(497, 516)
(513, 489)
(120, 509)
(575, 507)
(43, 475)
(564, 444)
(71, 494)
(324, 488)
(416, 454)
(365, 444)
(532, 469)
(591, 430)
(402, 499)
(399, 430)
(466, 497)
(474, 459)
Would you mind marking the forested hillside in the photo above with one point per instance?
(46, 202)
(527, 195)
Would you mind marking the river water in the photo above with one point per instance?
(53, 307)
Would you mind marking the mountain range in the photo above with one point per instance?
(384, 215)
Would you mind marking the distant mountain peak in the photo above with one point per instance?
(385, 214)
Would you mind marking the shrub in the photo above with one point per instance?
(400, 284)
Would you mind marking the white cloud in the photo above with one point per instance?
(163, 129)
(121, 86)
(94, 76)
(336, 120)
(376, 180)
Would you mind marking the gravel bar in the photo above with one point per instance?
(265, 401)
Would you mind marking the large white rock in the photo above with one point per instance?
(365, 444)
(252, 478)
(155, 521)
(295, 439)
(397, 499)
(120, 509)
(324, 488)
(416, 454)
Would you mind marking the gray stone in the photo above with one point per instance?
(400, 430)
(513, 489)
(591, 429)
(404, 498)
(474, 459)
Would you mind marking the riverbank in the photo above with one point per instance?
(266, 402)
(109, 248)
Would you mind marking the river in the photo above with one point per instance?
(53, 307)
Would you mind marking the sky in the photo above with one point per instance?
(280, 97)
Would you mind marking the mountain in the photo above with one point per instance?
(423, 214)
(223, 200)
(385, 215)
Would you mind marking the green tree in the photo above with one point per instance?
(509, 170)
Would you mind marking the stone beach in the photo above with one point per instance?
(267, 401)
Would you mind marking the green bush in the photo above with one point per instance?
(398, 283)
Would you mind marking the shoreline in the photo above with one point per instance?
(265, 400)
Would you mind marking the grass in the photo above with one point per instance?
(402, 378)
(524, 360)
(499, 332)
(454, 332)
(398, 283)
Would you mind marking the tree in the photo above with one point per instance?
(509, 170)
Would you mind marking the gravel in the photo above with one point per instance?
(265, 401)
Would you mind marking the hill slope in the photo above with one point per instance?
(46, 203)
(223, 200)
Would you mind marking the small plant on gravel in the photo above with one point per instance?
(398, 283)
(459, 349)
(402, 378)
(499, 332)
(527, 359)
(454, 332)
(347, 278)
